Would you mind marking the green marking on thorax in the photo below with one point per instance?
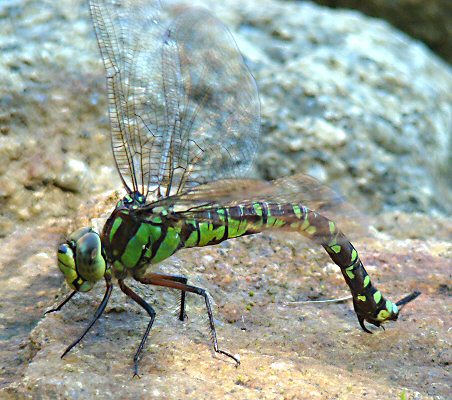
(154, 235)
(273, 221)
(336, 248)
(118, 266)
(134, 248)
(276, 222)
(311, 230)
(168, 246)
(155, 219)
(116, 224)
(361, 297)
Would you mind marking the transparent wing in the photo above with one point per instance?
(184, 108)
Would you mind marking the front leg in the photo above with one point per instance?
(61, 305)
(97, 314)
(154, 279)
(130, 293)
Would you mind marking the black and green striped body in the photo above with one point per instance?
(133, 240)
(183, 138)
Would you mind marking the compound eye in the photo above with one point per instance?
(79, 233)
(90, 262)
(66, 263)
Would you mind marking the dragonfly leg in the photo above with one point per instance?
(60, 306)
(96, 316)
(130, 293)
(174, 278)
(151, 279)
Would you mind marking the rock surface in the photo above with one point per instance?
(429, 21)
(287, 350)
(344, 98)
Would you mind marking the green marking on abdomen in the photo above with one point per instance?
(297, 211)
(273, 222)
(192, 239)
(236, 227)
(305, 224)
(332, 226)
(209, 233)
(354, 256)
(258, 209)
(349, 271)
(377, 296)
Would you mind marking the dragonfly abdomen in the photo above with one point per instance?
(215, 225)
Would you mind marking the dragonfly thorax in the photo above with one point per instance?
(133, 201)
(81, 259)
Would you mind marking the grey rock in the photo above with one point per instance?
(351, 95)
(75, 176)
(429, 21)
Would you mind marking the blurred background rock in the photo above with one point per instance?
(429, 21)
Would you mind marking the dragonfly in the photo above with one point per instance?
(185, 120)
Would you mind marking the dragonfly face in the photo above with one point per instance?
(81, 259)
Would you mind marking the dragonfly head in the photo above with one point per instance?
(81, 259)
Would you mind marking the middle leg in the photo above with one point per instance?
(154, 279)
(174, 278)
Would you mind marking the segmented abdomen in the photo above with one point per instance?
(229, 222)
